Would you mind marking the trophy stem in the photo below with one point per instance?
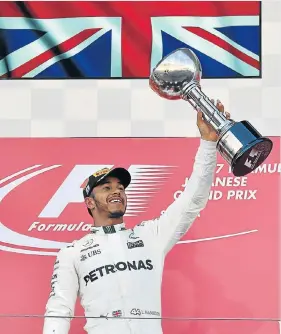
(193, 94)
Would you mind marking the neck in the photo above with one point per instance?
(99, 221)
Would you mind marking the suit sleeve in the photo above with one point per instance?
(64, 292)
(179, 216)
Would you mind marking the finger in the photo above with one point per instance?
(220, 106)
(200, 117)
(227, 115)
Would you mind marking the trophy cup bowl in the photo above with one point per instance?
(177, 76)
(173, 72)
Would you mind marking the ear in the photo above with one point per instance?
(90, 203)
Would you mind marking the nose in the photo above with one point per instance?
(117, 191)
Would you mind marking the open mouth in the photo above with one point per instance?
(115, 200)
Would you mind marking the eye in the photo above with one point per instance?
(106, 188)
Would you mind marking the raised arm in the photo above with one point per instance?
(64, 291)
(180, 215)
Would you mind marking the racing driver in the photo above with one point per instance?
(117, 272)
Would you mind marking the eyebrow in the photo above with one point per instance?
(107, 181)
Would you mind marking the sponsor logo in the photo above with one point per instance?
(97, 273)
(133, 236)
(253, 158)
(101, 172)
(54, 280)
(117, 314)
(135, 244)
(52, 294)
(52, 215)
(55, 276)
(85, 249)
(88, 243)
(90, 254)
(56, 265)
(137, 311)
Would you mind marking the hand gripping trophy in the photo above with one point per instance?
(177, 76)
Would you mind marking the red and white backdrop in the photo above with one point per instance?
(226, 266)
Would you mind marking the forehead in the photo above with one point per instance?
(109, 179)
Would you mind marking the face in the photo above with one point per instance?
(108, 198)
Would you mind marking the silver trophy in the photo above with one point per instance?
(177, 76)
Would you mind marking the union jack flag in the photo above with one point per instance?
(114, 39)
(117, 314)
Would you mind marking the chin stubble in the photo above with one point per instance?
(117, 214)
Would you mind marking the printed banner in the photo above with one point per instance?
(225, 266)
(115, 39)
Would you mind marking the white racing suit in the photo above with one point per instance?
(119, 274)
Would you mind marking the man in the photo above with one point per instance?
(115, 271)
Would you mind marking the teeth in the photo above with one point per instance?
(115, 201)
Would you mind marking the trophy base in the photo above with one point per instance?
(243, 147)
(251, 157)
